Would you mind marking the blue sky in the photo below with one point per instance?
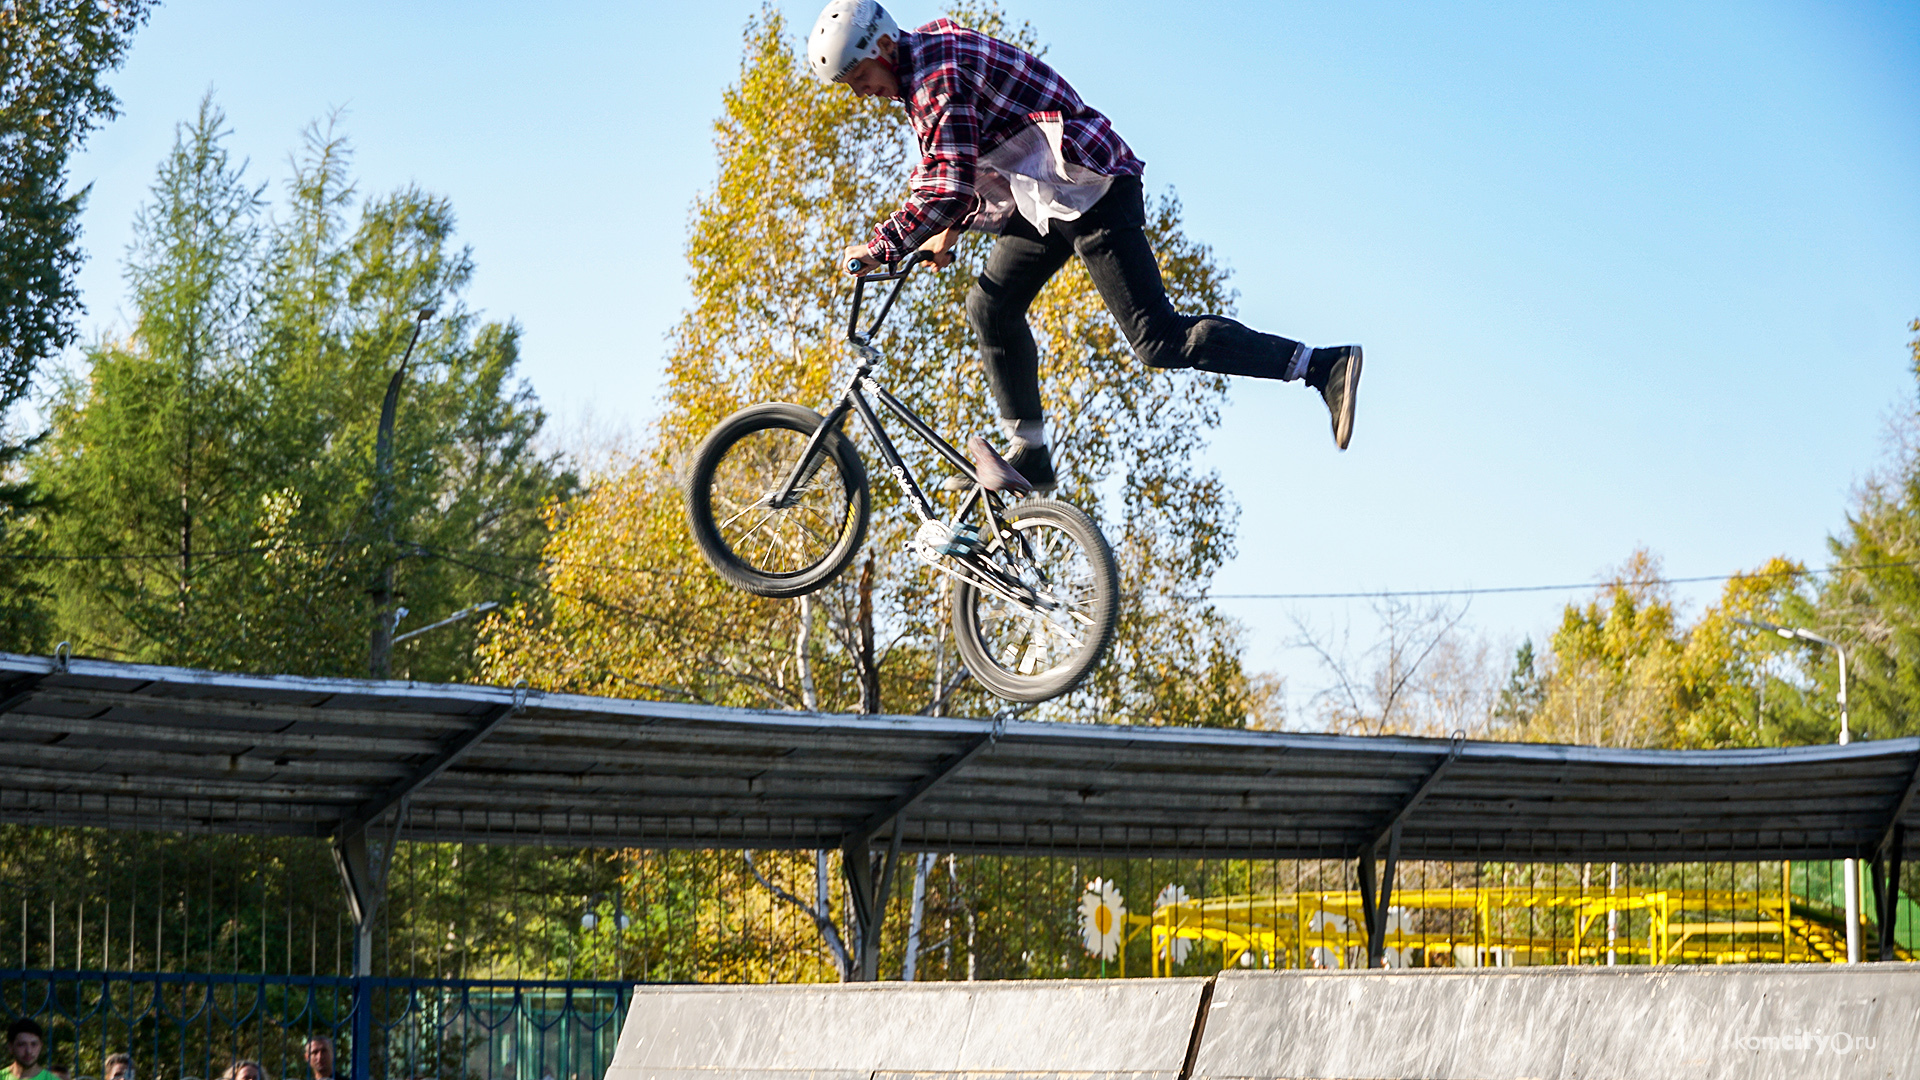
(1627, 274)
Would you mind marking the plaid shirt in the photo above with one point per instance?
(967, 93)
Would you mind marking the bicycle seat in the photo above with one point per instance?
(994, 472)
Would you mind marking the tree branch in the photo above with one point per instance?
(823, 921)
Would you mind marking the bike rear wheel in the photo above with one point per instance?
(1036, 647)
(772, 550)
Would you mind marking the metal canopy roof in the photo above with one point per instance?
(97, 743)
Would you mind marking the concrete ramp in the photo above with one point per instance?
(1799, 1022)
(1136, 1029)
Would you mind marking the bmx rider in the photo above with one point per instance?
(1008, 147)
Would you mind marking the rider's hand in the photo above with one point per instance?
(859, 253)
(941, 244)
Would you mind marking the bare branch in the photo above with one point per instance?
(822, 920)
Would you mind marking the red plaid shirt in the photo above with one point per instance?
(967, 93)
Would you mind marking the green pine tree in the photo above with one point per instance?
(213, 473)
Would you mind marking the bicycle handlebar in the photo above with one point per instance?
(896, 270)
(897, 274)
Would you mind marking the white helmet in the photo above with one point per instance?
(847, 32)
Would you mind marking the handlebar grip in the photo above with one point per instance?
(887, 271)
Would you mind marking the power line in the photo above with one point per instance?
(543, 562)
(1493, 590)
(118, 556)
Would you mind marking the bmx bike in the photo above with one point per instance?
(778, 502)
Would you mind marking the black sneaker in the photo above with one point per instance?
(1036, 464)
(1335, 372)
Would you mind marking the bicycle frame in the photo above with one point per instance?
(853, 400)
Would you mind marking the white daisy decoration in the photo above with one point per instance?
(1173, 948)
(1103, 918)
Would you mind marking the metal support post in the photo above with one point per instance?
(1376, 895)
(351, 858)
(1891, 851)
(1850, 890)
(1374, 907)
(870, 884)
(355, 864)
(1367, 872)
(1886, 882)
(870, 878)
(363, 869)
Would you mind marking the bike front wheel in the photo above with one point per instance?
(1050, 621)
(788, 549)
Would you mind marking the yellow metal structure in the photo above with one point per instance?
(1326, 929)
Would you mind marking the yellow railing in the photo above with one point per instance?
(1326, 929)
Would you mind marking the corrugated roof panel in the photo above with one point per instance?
(133, 746)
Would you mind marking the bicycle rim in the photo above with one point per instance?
(779, 542)
(1028, 651)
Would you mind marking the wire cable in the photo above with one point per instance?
(1502, 589)
(543, 562)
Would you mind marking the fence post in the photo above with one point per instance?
(362, 1027)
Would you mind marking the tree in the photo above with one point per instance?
(154, 444)
(210, 476)
(53, 54)
(1520, 699)
(1627, 671)
(1870, 604)
(1421, 677)
(801, 168)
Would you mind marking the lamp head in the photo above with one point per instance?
(1759, 624)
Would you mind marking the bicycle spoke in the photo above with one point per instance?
(1048, 562)
(743, 512)
(779, 539)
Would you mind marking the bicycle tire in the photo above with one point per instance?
(1077, 562)
(782, 552)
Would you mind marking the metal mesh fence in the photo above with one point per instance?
(495, 961)
(180, 1025)
(93, 900)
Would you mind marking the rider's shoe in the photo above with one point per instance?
(1036, 464)
(1335, 372)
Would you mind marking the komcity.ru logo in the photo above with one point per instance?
(1839, 1042)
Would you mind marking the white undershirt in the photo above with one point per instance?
(1029, 174)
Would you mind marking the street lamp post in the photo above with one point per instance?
(1849, 868)
(385, 620)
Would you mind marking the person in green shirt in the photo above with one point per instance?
(24, 1041)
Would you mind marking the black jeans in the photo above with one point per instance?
(1111, 239)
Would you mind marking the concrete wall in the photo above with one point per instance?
(1097, 1030)
(1800, 1022)
(1751, 1022)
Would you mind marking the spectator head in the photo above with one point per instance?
(245, 1070)
(24, 1040)
(320, 1057)
(118, 1067)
